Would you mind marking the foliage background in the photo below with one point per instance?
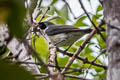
(91, 51)
(96, 44)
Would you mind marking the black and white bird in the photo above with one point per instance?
(63, 35)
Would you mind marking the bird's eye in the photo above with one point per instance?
(42, 25)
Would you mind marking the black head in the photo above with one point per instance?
(42, 25)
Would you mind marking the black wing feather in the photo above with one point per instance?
(56, 29)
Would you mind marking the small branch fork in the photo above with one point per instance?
(75, 55)
(53, 75)
(103, 51)
(85, 12)
(85, 60)
(80, 48)
(98, 31)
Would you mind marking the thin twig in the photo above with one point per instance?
(52, 17)
(56, 63)
(36, 55)
(32, 6)
(52, 50)
(39, 3)
(66, 75)
(23, 62)
(44, 14)
(74, 76)
(33, 11)
(80, 48)
(103, 51)
(74, 70)
(41, 76)
(85, 60)
(37, 11)
(70, 9)
(51, 47)
(91, 20)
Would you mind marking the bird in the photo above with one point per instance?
(63, 35)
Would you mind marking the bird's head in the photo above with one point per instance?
(44, 25)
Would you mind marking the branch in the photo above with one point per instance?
(91, 20)
(103, 51)
(74, 76)
(85, 60)
(44, 14)
(37, 10)
(31, 6)
(23, 62)
(31, 51)
(53, 75)
(41, 76)
(18, 49)
(52, 17)
(81, 48)
(70, 9)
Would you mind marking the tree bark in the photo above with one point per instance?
(19, 50)
(112, 19)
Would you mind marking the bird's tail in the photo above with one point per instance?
(89, 30)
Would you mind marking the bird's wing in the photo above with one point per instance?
(56, 29)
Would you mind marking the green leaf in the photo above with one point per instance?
(72, 49)
(80, 22)
(98, 16)
(101, 43)
(15, 17)
(99, 8)
(52, 10)
(94, 19)
(87, 50)
(62, 61)
(3, 51)
(78, 43)
(63, 12)
(77, 64)
(53, 2)
(59, 21)
(10, 71)
(41, 46)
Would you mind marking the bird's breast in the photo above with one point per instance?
(65, 39)
(58, 37)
